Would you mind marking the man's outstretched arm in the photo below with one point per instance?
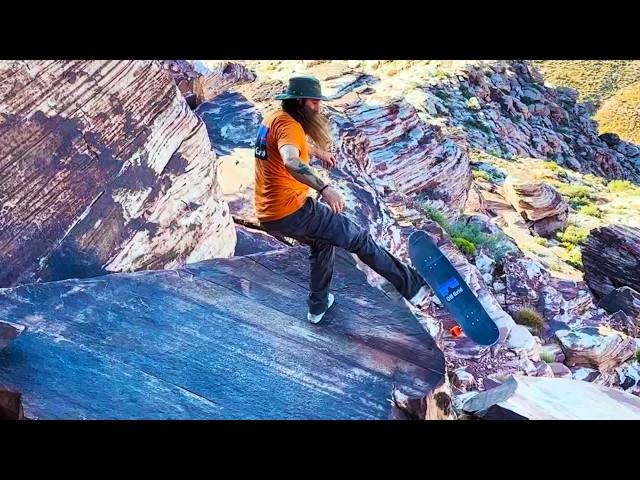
(328, 159)
(306, 174)
(299, 170)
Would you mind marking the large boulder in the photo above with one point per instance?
(220, 77)
(540, 398)
(623, 299)
(11, 405)
(602, 348)
(541, 206)
(611, 259)
(8, 332)
(104, 168)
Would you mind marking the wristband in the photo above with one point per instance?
(322, 189)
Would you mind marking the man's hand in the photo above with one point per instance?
(334, 199)
(328, 159)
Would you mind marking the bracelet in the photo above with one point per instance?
(322, 189)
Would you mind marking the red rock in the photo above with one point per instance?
(184, 76)
(597, 347)
(540, 205)
(560, 370)
(11, 405)
(611, 255)
(9, 332)
(224, 76)
(104, 168)
(463, 380)
(622, 322)
(537, 398)
(544, 370)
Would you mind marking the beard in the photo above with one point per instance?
(314, 124)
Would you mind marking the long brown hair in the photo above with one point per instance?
(315, 124)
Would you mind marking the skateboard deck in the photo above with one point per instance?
(451, 289)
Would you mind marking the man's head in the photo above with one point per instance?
(302, 86)
(311, 104)
(302, 101)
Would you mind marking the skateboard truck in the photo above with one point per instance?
(455, 331)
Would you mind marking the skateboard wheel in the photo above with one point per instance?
(456, 331)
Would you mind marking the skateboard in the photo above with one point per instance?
(451, 289)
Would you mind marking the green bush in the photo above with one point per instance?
(481, 174)
(555, 266)
(572, 235)
(591, 178)
(468, 231)
(437, 216)
(473, 104)
(578, 195)
(621, 186)
(573, 256)
(464, 245)
(530, 318)
(441, 74)
(471, 233)
(552, 166)
(638, 355)
(548, 357)
(499, 249)
(495, 244)
(592, 210)
(541, 241)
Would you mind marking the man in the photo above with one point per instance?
(283, 204)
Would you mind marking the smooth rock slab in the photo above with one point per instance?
(540, 398)
(221, 339)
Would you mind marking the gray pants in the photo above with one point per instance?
(317, 226)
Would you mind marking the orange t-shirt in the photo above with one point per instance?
(277, 193)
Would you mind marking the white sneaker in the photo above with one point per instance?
(316, 318)
(418, 299)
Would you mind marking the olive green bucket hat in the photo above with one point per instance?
(302, 86)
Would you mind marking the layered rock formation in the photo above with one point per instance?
(11, 405)
(623, 299)
(531, 398)
(251, 240)
(403, 142)
(505, 108)
(218, 339)
(184, 76)
(611, 258)
(541, 206)
(8, 332)
(406, 156)
(219, 78)
(394, 156)
(104, 168)
(602, 348)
